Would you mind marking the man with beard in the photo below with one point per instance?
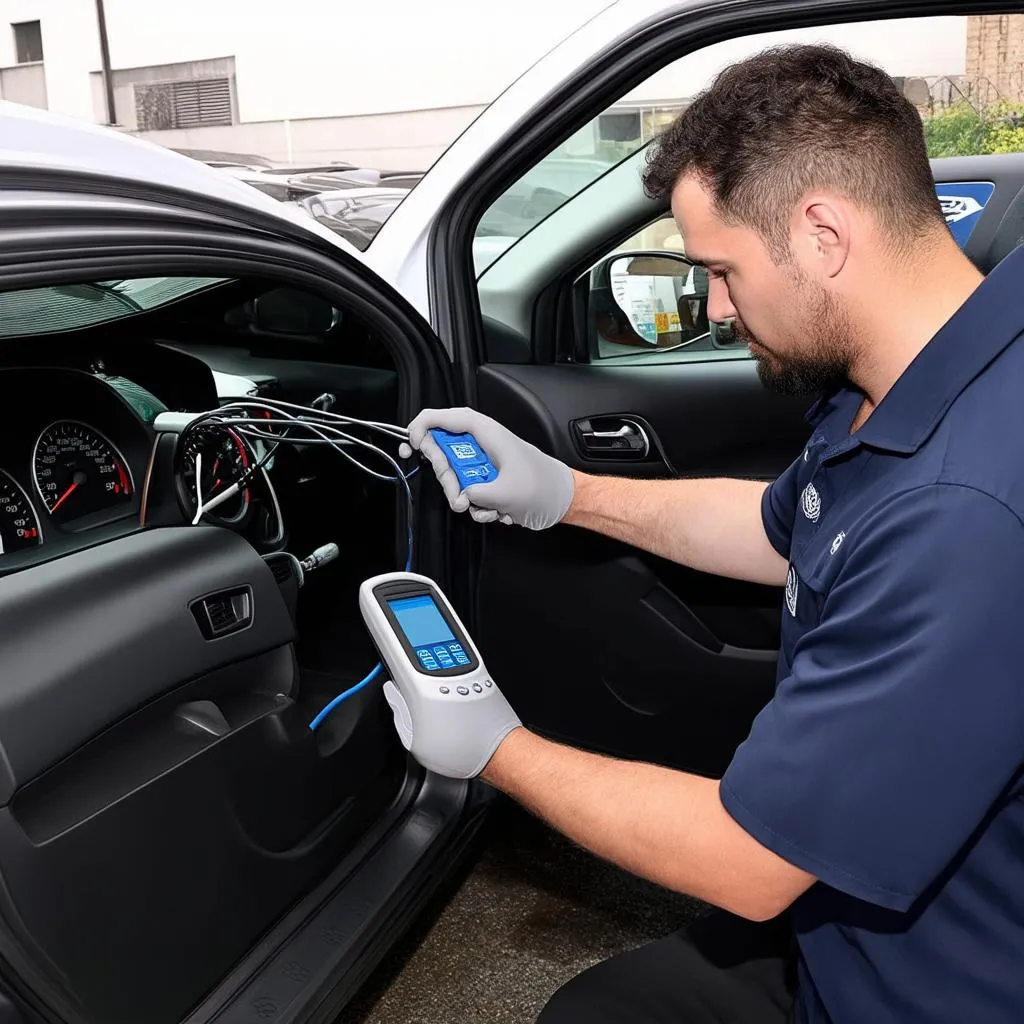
(865, 842)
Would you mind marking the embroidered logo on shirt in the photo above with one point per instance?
(810, 500)
(792, 591)
(837, 543)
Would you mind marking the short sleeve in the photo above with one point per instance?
(901, 723)
(778, 509)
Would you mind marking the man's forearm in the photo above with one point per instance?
(711, 525)
(663, 825)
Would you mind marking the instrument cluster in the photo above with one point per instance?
(71, 460)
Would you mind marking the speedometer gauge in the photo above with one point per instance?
(78, 472)
(19, 526)
(223, 460)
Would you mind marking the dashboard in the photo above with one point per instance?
(80, 461)
(73, 460)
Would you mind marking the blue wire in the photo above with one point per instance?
(345, 696)
(352, 691)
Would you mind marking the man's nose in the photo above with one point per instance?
(720, 305)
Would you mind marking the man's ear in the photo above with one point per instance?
(822, 232)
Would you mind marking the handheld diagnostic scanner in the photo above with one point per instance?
(470, 463)
(439, 679)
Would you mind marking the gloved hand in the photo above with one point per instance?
(451, 734)
(532, 489)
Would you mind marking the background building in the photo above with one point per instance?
(315, 81)
(995, 57)
(311, 80)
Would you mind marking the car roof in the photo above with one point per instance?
(34, 141)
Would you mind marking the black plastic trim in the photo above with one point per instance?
(91, 637)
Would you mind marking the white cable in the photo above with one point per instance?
(251, 428)
(274, 404)
(277, 507)
(199, 488)
(338, 444)
(213, 503)
(311, 419)
(399, 477)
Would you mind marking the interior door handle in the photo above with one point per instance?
(612, 437)
(624, 431)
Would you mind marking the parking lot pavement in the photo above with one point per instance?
(533, 912)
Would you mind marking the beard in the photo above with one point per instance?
(823, 365)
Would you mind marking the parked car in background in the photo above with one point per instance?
(270, 182)
(357, 177)
(357, 214)
(291, 184)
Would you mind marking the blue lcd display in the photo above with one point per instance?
(421, 621)
(428, 634)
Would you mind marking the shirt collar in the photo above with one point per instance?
(825, 406)
(984, 326)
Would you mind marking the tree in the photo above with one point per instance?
(961, 130)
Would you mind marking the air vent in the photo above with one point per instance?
(222, 614)
(282, 570)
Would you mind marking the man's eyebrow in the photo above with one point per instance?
(707, 261)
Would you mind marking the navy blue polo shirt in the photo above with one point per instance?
(889, 762)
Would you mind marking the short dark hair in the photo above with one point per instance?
(794, 118)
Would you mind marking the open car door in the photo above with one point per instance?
(596, 643)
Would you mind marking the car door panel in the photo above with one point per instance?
(131, 638)
(638, 656)
(708, 417)
(157, 769)
(174, 820)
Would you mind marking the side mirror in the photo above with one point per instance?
(658, 300)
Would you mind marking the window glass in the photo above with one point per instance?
(953, 69)
(28, 42)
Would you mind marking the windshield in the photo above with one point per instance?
(70, 307)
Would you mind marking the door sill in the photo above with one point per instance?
(317, 957)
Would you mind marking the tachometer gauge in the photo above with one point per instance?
(19, 525)
(79, 472)
(224, 459)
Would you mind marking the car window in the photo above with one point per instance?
(969, 100)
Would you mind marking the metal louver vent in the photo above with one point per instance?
(206, 102)
(192, 104)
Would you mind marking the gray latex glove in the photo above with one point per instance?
(532, 489)
(452, 735)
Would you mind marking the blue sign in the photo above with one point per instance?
(963, 203)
